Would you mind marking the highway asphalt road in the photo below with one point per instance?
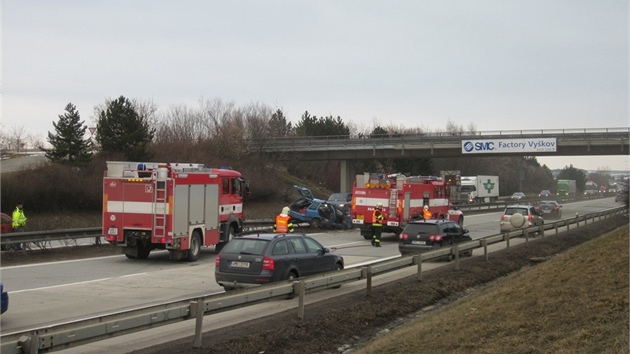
(61, 291)
(22, 162)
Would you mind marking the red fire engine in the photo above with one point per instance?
(178, 207)
(403, 199)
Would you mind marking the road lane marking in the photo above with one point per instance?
(59, 262)
(78, 283)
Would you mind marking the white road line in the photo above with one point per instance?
(58, 262)
(70, 284)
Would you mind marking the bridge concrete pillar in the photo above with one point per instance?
(347, 176)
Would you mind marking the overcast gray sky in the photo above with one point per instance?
(501, 65)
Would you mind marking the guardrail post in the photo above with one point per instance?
(526, 233)
(506, 238)
(541, 230)
(28, 344)
(484, 244)
(368, 275)
(196, 309)
(301, 290)
(418, 260)
(455, 249)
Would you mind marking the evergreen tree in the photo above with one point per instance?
(313, 126)
(278, 125)
(122, 130)
(69, 146)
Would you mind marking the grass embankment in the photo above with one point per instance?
(576, 302)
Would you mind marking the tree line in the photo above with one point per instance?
(216, 133)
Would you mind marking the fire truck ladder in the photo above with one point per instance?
(159, 217)
(393, 201)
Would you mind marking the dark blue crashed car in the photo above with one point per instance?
(4, 299)
(318, 212)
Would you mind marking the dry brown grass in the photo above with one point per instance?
(575, 303)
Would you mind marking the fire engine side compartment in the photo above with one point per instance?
(195, 206)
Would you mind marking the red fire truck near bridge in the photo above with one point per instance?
(403, 199)
(179, 207)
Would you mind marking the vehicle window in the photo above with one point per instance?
(226, 185)
(236, 186)
(314, 206)
(298, 245)
(248, 246)
(312, 245)
(280, 247)
(6, 219)
(512, 211)
(421, 229)
(468, 188)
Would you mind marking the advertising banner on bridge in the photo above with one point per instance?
(497, 146)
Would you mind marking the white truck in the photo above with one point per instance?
(479, 189)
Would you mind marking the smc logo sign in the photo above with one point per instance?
(478, 146)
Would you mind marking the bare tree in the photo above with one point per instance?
(17, 138)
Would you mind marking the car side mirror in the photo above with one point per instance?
(325, 250)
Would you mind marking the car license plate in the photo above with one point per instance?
(418, 242)
(112, 231)
(237, 264)
(546, 211)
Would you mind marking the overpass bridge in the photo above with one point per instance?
(538, 142)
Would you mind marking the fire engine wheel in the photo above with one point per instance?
(195, 247)
(143, 251)
(230, 235)
(316, 223)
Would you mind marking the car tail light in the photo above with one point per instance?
(503, 217)
(435, 238)
(217, 261)
(404, 237)
(530, 218)
(268, 264)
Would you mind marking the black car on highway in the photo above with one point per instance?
(263, 258)
(424, 235)
(549, 209)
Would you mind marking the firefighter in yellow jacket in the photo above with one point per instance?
(378, 219)
(19, 222)
(283, 223)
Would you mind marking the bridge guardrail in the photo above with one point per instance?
(75, 333)
(349, 141)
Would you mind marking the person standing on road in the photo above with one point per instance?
(283, 223)
(19, 223)
(427, 213)
(377, 224)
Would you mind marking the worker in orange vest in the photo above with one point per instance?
(377, 224)
(427, 213)
(283, 223)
